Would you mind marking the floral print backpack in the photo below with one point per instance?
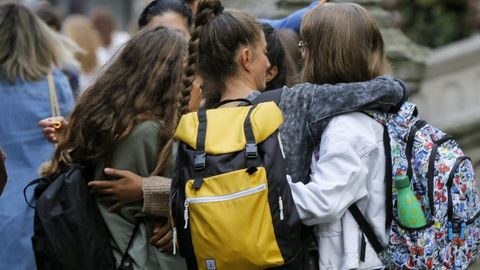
(444, 182)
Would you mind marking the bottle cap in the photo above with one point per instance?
(402, 181)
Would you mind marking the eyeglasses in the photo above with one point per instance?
(302, 46)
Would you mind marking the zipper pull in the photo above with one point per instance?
(185, 213)
(280, 206)
(174, 232)
(450, 231)
(462, 230)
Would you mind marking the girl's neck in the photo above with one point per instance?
(237, 88)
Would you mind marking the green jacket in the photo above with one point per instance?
(137, 153)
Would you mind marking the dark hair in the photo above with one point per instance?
(141, 84)
(49, 15)
(158, 7)
(276, 57)
(217, 36)
(293, 57)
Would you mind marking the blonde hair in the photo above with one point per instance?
(80, 29)
(30, 49)
(343, 44)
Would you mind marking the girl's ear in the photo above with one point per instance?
(246, 59)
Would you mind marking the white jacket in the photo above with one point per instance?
(349, 168)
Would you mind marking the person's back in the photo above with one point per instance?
(29, 51)
(124, 121)
(349, 165)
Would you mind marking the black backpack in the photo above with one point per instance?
(69, 231)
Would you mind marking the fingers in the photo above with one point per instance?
(119, 173)
(165, 242)
(50, 126)
(97, 184)
(159, 232)
(322, 2)
(52, 122)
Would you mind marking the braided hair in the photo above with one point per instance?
(216, 38)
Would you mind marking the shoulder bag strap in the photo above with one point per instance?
(53, 95)
(127, 263)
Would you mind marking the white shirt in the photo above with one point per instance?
(350, 169)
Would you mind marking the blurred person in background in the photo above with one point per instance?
(112, 39)
(277, 72)
(174, 14)
(30, 50)
(80, 29)
(293, 57)
(125, 120)
(51, 16)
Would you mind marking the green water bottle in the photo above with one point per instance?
(410, 211)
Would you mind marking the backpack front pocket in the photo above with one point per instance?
(231, 222)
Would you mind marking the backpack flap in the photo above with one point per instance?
(224, 123)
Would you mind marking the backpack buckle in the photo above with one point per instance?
(251, 150)
(199, 161)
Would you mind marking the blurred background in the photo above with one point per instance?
(433, 45)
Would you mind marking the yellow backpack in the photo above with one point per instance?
(231, 203)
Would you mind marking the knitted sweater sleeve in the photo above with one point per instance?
(156, 192)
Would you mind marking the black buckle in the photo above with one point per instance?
(251, 150)
(199, 161)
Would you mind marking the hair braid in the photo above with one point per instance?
(207, 10)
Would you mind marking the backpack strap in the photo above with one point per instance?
(200, 157)
(272, 95)
(366, 228)
(226, 101)
(127, 262)
(251, 143)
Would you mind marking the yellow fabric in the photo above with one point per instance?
(237, 234)
(225, 133)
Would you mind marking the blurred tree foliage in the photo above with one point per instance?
(434, 23)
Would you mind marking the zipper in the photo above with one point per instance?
(174, 240)
(222, 198)
(280, 205)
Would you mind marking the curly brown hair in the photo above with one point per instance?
(140, 84)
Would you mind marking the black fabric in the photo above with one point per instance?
(410, 141)
(363, 248)
(430, 175)
(251, 151)
(366, 228)
(69, 231)
(310, 244)
(388, 179)
(273, 95)
(223, 102)
(199, 158)
(449, 186)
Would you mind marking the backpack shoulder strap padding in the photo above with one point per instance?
(272, 95)
(224, 124)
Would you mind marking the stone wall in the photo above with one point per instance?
(450, 93)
